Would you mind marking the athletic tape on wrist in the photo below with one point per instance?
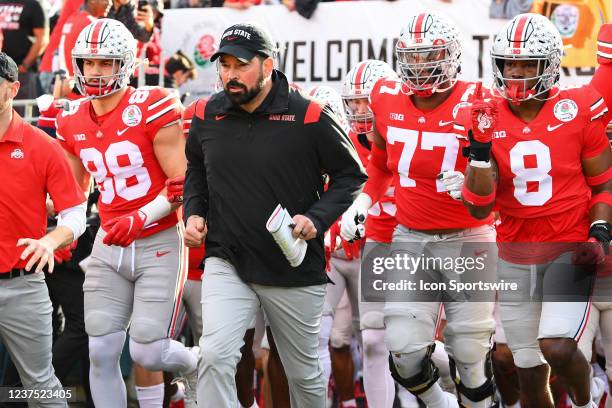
(599, 179)
(475, 199)
(603, 197)
(480, 164)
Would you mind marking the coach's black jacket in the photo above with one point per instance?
(242, 165)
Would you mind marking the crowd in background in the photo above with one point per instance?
(39, 34)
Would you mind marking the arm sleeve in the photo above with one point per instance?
(195, 192)
(379, 176)
(337, 156)
(61, 184)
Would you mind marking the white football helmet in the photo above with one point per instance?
(109, 39)
(428, 54)
(527, 37)
(331, 97)
(357, 85)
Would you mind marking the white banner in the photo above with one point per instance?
(320, 51)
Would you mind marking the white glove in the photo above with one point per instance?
(453, 182)
(353, 220)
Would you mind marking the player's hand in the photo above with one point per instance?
(453, 182)
(124, 230)
(195, 231)
(174, 187)
(352, 223)
(40, 251)
(303, 228)
(594, 251)
(483, 115)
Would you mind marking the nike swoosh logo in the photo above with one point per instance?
(551, 128)
(159, 254)
(219, 117)
(443, 123)
(120, 132)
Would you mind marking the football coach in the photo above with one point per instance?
(254, 145)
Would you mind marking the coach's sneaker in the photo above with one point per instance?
(191, 387)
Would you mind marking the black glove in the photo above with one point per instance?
(477, 150)
(601, 232)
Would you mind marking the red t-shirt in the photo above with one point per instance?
(119, 153)
(33, 164)
(419, 146)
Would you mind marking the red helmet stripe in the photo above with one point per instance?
(313, 91)
(358, 77)
(94, 38)
(419, 25)
(519, 31)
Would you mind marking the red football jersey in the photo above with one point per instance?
(540, 170)
(119, 153)
(542, 194)
(381, 217)
(420, 145)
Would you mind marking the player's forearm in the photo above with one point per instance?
(480, 186)
(60, 237)
(601, 203)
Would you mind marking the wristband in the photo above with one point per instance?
(480, 164)
(475, 199)
(599, 179)
(603, 197)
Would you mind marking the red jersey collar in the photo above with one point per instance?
(14, 133)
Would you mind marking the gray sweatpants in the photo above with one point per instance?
(228, 307)
(25, 330)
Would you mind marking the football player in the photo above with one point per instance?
(358, 83)
(414, 142)
(547, 171)
(130, 140)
